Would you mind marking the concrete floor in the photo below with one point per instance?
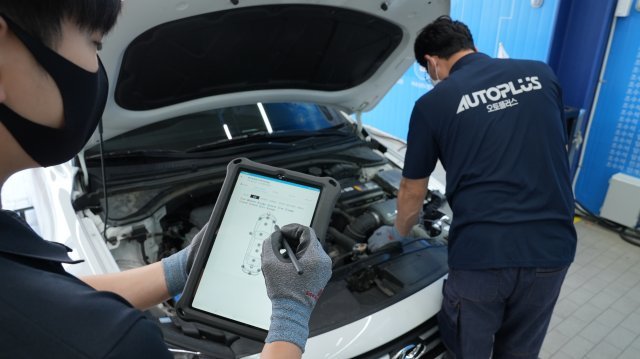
(598, 312)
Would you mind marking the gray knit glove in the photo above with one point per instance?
(178, 265)
(293, 295)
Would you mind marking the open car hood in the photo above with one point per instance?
(170, 58)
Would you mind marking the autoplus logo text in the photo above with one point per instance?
(499, 97)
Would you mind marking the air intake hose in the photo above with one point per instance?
(362, 227)
(342, 239)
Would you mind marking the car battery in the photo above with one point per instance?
(356, 194)
(389, 180)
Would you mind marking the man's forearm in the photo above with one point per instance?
(143, 287)
(410, 199)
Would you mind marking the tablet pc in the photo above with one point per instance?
(226, 289)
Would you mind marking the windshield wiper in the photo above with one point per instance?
(265, 138)
(174, 154)
(159, 153)
(244, 140)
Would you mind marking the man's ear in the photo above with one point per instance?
(3, 94)
(430, 59)
(4, 27)
(4, 37)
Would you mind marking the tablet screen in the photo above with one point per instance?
(232, 285)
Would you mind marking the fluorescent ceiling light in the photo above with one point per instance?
(265, 118)
(226, 130)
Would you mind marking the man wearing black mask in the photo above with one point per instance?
(53, 90)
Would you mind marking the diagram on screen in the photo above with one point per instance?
(263, 228)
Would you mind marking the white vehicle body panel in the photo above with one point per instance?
(383, 326)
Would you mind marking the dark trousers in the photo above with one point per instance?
(502, 313)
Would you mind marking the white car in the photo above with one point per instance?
(197, 83)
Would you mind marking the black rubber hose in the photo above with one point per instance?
(363, 226)
(341, 239)
(340, 259)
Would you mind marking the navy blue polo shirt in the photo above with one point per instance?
(48, 313)
(498, 128)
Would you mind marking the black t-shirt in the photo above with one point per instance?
(48, 313)
(498, 128)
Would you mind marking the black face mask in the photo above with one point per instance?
(84, 95)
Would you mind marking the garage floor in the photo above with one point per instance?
(598, 312)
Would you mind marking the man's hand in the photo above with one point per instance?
(293, 295)
(383, 236)
(177, 266)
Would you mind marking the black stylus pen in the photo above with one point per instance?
(290, 253)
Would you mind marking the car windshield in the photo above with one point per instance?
(225, 124)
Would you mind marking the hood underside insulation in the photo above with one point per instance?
(308, 47)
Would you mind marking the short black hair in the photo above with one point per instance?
(42, 19)
(443, 37)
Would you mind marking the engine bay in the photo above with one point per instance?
(367, 201)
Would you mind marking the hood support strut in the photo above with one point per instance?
(359, 119)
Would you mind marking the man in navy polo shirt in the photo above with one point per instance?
(497, 126)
